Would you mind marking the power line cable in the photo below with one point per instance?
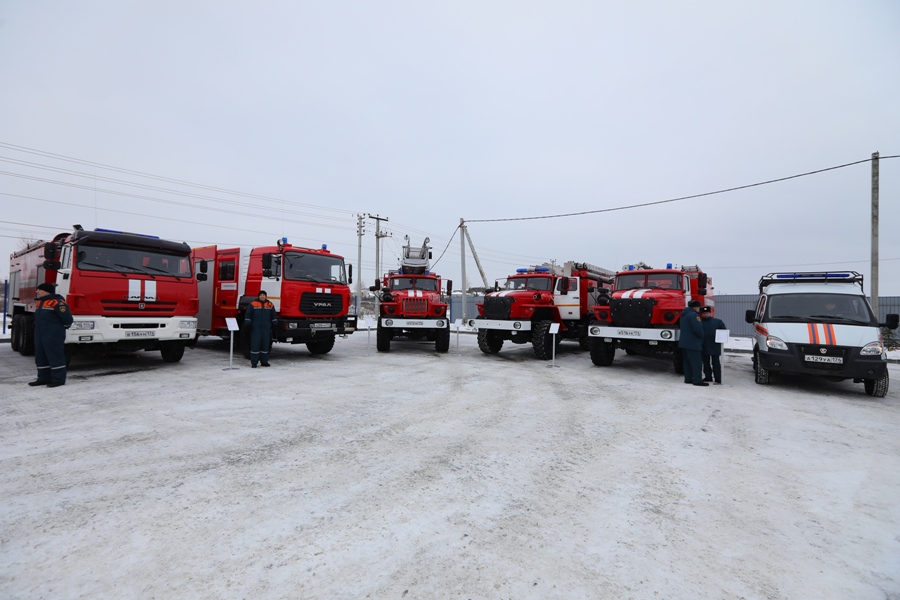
(732, 189)
(445, 248)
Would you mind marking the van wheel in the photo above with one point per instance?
(602, 353)
(15, 340)
(171, 352)
(489, 341)
(762, 374)
(26, 342)
(678, 361)
(877, 387)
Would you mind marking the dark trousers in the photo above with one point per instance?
(260, 338)
(712, 367)
(50, 358)
(693, 369)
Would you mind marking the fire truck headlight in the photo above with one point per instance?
(775, 343)
(666, 334)
(291, 326)
(83, 325)
(517, 325)
(440, 324)
(873, 349)
(595, 331)
(192, 324)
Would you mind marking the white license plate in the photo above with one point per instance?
(837, 360)
(140, 334)
(321, 325)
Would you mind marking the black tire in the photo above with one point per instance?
(541, 340)
(320, 345)
(761, 374)
(171, 352)
(489, 341)
(678, 361)
(70, 350)
(584, 342)
(631, 351)
(383, 339)
(442, 340)
(602, 353)
(15, 340)
(878, 388)
(26, 342)
(244, 340)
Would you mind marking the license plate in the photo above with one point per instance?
(321, 325)
(140, 334)
(836, 360)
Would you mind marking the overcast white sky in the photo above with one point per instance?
(430, 112)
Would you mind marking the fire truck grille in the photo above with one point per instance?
(321, 304)
(497, 307)
(156, 308)
(415, 306)
(631, 312)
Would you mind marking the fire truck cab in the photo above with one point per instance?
(641, 315)
(125, 291)
(309, 288)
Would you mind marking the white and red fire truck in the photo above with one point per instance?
(529, 302)
(411, 302)
(641, 315)
(309, 288)
(126, 291)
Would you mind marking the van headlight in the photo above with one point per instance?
(192, 324)
(873, 349)
(775, 343)
(83, 325)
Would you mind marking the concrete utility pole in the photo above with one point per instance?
(873, 284)
(475, 256)
(378, 235)
(360, 231)
(462, 258)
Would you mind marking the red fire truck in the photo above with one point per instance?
(641, 315)
(533, 299)
(308, 287)
(412, 305)
(126, 291)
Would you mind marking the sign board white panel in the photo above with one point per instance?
(721, 336)
(232, 324)
(554, 328)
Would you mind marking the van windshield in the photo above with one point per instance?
(820, 308)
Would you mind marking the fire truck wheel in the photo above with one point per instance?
(320, 345)
(383, 339)
(541, 340)
(630, 351)
(442, 340)
(245, 340)
(877, 387)
(26, 342)
(761, 373)
(602, 353)
(584, 342)
(171, 352)
(678, 361)
(15, 340)
(489, 341)
(70, 350)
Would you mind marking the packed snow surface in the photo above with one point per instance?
(412, 474)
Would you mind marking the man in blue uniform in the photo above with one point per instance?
(712, 366)
(51, 319)
(691, 343)
(261, 316)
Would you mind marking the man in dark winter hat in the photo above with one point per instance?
(712, 367)
(51, 319)
(261, 317)
(691, 343)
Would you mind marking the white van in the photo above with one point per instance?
(819, 324)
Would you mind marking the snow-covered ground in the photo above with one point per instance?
(418, 475)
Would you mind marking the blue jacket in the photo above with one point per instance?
(261, 316)
(710, 326)
(51, 318)
(691, 330)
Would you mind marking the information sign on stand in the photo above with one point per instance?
(554, 329)
(232, 327)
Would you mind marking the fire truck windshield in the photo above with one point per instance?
(299, 266)
(640, 281)
(414, 283)
(121, 259)
(529, 283)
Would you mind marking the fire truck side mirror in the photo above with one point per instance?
(702, 280)
(349, 273)
(702, 292)
(564, 286)
(267, 262)
(591, 289)
(203, 266)
(201, 276)
(750, 316)
(377, 285)
(52, 265)
(50, 251)
(449, 287)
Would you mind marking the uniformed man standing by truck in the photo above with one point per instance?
(261, 317)
(51, 319)
(691, 343)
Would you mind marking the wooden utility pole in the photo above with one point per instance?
(462, 258)
(873, 284)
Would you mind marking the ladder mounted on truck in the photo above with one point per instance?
(415, 261)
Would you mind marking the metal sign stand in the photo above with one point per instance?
(232, 327)
(554, 329)
(458, 327)
(368, 335)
